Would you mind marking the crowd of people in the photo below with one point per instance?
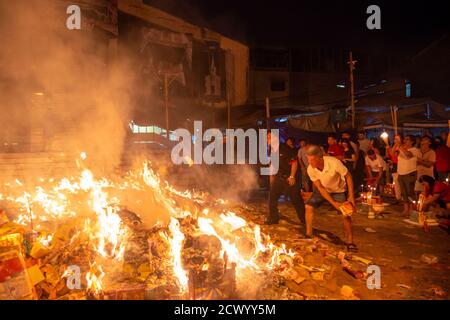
(345, 168)
(374, 163)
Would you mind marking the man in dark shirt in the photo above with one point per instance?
(284, 182)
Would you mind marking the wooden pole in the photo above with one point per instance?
(228, 108)
(228, 84)
(166, 103)
(351, 64)
(267, 113)
(394, 110)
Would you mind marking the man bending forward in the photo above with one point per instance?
(334, 184)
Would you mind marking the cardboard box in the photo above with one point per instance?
(15, 283)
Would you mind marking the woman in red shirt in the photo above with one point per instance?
(392, 153)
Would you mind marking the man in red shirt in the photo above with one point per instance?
(334, 149)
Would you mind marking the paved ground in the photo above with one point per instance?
(396, 247)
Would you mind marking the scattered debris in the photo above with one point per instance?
(370, 230)
(412, 236)
(437, 290)
(404, 286)
(429, 258)
(348, 292)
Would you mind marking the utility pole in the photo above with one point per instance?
(351, 64)
(166, 103)
(228, 110)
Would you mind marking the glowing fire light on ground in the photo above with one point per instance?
(56, 201)
(176, 247)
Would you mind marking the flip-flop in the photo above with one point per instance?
(351, 247)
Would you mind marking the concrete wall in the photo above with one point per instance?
(260, 86)
(307, 89)
(238, 51)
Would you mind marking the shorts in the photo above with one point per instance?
(317, 199)
(407, 183)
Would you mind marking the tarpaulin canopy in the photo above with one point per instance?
(416, 110)
(320, 122)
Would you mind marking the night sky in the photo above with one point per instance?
(406, 25)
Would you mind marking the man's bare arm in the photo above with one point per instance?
(379, 175)
(407, 154)
(351, 195)
(425, 163)
(294, 168)
(369, 172)
(431, 199)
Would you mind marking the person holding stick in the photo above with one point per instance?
(407, 172)
(392, 153)
(284, 182)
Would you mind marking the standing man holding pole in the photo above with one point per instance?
(284, 182)
(334, 184)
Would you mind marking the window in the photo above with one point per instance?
(277, 85)
(407, 89)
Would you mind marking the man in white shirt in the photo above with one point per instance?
(331, 180)
(376, 168)
(364, 144)
(426, 161)
(407, 172)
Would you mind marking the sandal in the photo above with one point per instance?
(351, 247)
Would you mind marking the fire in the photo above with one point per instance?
(94, 281)
(95, 204)
(234, 221)
(176, 245)
(46, 241)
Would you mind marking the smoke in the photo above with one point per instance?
(231, 182)
(67, 86)
(71, 91)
